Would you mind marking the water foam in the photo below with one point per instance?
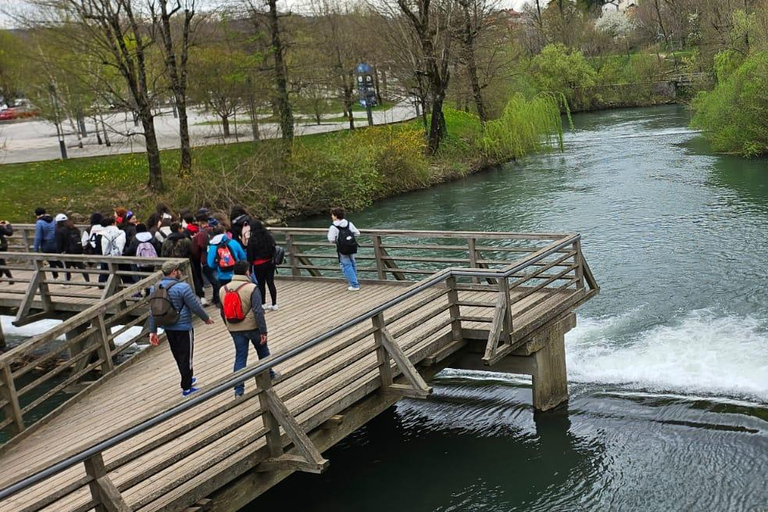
(702, 352)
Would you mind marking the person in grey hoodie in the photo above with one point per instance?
(181, 335)
(45, 237)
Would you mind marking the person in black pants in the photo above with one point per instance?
(261, 249)
(5, 230)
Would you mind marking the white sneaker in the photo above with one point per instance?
(204, 301)
(266, 308)
(274, 307)
(353, 289)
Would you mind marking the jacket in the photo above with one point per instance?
(112, 235)
(94, 233)
(130, 232)
(184, 301)
(145, 236)
(261, 251)
(250, 299)
(333, 231)
(64, 240)
(162, 233)
(5, 230)
(200, 245)
(184, 249)
(45, 234)
(237, 252)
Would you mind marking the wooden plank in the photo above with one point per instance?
(312, 457)
(418, 386)
(102, 488)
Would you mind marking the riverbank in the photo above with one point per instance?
(350, 168)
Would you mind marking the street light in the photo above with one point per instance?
(59, 129)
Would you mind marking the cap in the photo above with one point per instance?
(60, 218)
(170, 266)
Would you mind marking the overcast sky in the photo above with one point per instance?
(10, 5)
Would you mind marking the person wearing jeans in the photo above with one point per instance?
(252, 328)
(346, 261)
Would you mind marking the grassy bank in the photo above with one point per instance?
(345, 168)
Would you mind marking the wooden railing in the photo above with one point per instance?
(320, 378)
(406, 254)
(43, 370)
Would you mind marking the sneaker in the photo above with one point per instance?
(194, 379)
(266, 308)
(274, 307)
(239, 396)
(354, 289)
(204, 301)
(189, 391)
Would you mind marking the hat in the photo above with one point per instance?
(60, 218)
(170, 266)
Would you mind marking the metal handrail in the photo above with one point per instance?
(267, 363)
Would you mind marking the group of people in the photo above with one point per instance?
(236, 254)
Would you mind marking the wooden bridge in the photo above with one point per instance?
(124, 439)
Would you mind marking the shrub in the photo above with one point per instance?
(735, 113)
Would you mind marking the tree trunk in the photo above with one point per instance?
(252, 108)
(186, 149)
(225, 125)
(376, 85)
(348, 92)
(153, 152)
(469, 48)
(281, 75)
(436, 126)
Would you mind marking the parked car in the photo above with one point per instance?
(19, 110)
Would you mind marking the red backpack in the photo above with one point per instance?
(224, 257)
(233, 306)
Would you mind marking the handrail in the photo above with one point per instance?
(267, 363)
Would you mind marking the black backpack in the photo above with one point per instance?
(162, 308)
(74, 242)
(346, 243)
(94, 244)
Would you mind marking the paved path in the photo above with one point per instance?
(34, 141)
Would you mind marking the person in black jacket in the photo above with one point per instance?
(5, 230)
(261, 249)
(69, 241)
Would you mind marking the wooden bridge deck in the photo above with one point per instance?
(151, 385)
(518, 314)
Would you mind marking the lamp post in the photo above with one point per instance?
(59, 128)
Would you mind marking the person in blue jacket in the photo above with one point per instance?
(181, 335)
(45, 237)
(223, 253)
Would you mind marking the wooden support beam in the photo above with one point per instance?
(454, 309)
(103, 490)
(112, 281)
(105, 351)
(391, 265)
(385, 371)
(8, 394)
(275, 444)
(377, 252)
(333, 421)
(418, 387)
(36, 285)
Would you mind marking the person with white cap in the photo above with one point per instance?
(171, 305)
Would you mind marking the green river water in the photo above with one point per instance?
(668, 367)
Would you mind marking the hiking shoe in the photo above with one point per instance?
(189, 391)
(354, 289)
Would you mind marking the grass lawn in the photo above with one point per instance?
(100, 183)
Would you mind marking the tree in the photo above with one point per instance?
(431, 22)
(110, 33)
(176, 55)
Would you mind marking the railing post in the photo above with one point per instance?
(292, 253)
(385, 370)
(579, 264)
(103, 490)
(36, 285)
(25, 239)
(504, 289)
(274, 444)
(378, 254)
(105, 350)
(8, 393)
(454, 309)
(111, 285)
(472, 243)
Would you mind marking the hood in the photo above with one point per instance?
(341, 223)
(46, 218)
(146, 236)
(219, 238)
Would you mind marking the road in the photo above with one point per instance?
(36, 140)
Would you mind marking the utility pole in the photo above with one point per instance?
(56, 121)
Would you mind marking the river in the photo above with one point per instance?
(667, 368)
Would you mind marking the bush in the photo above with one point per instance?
(559, 70)
(735, 114)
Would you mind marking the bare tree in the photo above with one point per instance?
(176, 56)
(113, 34)
(431, 23)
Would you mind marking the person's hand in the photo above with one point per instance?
(263, 339)
(209, 321)
(154, 339)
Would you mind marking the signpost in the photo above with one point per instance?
(366, 90)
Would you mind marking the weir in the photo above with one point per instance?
(127, 441)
